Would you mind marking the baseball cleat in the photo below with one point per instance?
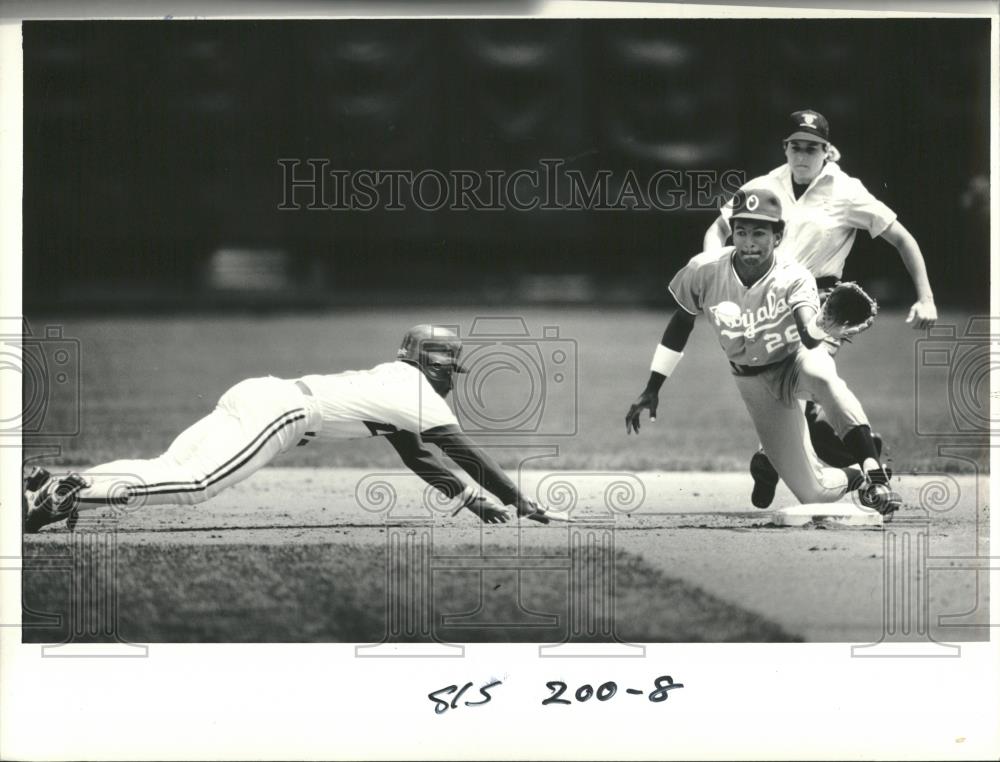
(881, 498)
(765, 480)
(36, 480)
(51, 500)
(877, 494)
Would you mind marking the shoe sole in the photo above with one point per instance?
(765, 481)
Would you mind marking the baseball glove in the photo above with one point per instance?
(847, 311)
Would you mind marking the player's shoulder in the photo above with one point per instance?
(776, 175)
(789, 269)
(842, 181)
(396, 369)
(385, 372)
(409, 375)
(711, 258)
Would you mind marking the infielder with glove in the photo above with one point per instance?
(766, 313)
(823, 208)
(260, 418)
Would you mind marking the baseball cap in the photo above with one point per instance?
(756, 204)
(809, 125)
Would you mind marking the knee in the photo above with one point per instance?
(817, 487)
(814, 494)
(821, 375)
(807, 493)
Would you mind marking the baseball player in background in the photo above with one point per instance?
(260, 418)
(823, 208)
(764, 309)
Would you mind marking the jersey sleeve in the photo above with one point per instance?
(434, 411)
(802, 290)
(866, 212)
(401, 397)
(686, 287)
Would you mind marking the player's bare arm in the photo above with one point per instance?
(923, 313)
(666, 357)
(805, 321)
(472, 459)
(432, 470)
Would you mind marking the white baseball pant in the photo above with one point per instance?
(253, 422)
(775, 401)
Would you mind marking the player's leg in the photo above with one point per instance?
(828, 446)
(814, 376)
(825, 442)
(782, 431)
(253, 422)
(192, 457)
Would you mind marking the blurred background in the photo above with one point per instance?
(151, 150)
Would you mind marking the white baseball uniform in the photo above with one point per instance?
(260, 418)
(821, 224)
(756, 328)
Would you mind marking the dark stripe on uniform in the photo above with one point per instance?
(227, 468)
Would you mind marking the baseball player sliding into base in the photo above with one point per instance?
(765, 311)
(260, 418)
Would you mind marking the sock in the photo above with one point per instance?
(861, 445)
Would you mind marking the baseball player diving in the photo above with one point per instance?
(765, 310)
(260, 418)
(824, 208)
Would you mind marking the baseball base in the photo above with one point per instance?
(827, 514)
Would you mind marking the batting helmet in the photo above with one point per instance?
(434, 349)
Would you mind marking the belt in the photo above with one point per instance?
(753, 370)
(827, 281)
(302, 386)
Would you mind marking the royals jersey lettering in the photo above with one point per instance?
(821, 224)
(390, 397)
(755, 324)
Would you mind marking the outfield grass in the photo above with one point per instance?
(144, 379)
(337, 593)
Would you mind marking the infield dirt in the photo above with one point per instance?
(691, 563)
